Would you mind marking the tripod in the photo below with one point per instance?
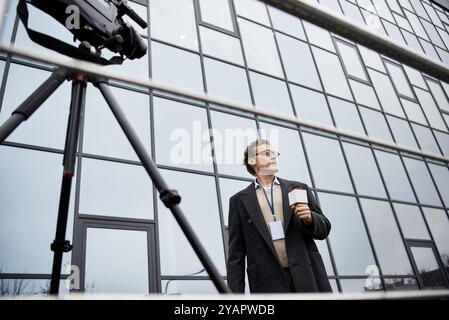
(169, 197)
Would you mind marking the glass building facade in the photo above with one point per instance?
(389, 209)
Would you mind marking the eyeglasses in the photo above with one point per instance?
(269, 153)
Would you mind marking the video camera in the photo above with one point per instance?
(101, 25)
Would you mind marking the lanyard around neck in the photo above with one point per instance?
(272, 201)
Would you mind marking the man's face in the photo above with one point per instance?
(266, 160)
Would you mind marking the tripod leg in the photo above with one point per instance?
(169, 197)
(60, 245)
(32, 103)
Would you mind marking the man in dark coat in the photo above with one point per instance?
(276, 239)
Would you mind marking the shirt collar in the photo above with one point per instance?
(257, 184)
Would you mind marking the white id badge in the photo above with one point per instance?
(277, 231)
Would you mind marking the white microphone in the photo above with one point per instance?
(297, 196)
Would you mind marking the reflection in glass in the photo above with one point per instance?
(364, 170)
(102, 133)
(361, 285)
(29, 288)
(30, 183)
(352, 250)
(226, 81)
(395, 176)
(110, 264)
(327, 163)
(411, 221)
(115, 189)
(332, 74)
(387, 240)
(176, 67)
(424, 187)
(200, 205)
(428, 268)
(260, 49)
(182, 135)
(292, 163)
(439, 227)
(174, 26)
(400, 284)
(311, 105)
(298, 63)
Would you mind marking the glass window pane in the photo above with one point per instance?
(375, 124)
(424, 187)
(110, 264)
(102, 133)
(287, 23)
(226, 81)
(439, 226)
(411, 221)
(414, 111)
(232, 135)
(364, 170)
(352, 250)
(414, 76)
(364, 94)
(30, 288)
(47, 126)
(30, 183)
(402, 132)
(395, 176)
(327, 163)
(270, 93)
(332, 75)
(177, 287)
(352, 11)
(400, 284)
(182, 135)
(291, 162)
(400, 81)
(443, 141)
(416, 25)
(217, 13)
(430, 109)
(221, 45)
(441, 176)
(438, 94)
(426, 139)
(389, 246)
(229, 187)
(351, 60)
(252, 9)
(371, 58)
(319, 36)
(260, 48)
(346, 115)
(428, 268)
(311, 105)
(176, 67)
(115, 189)
(174, 26)
(385, 92)
(8, 22)
(298, 63)
(324, 251)
(332, 4)
(200, 205)
(394, 32)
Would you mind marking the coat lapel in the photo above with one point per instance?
(252, 206)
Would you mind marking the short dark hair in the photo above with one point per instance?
(252, 148)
